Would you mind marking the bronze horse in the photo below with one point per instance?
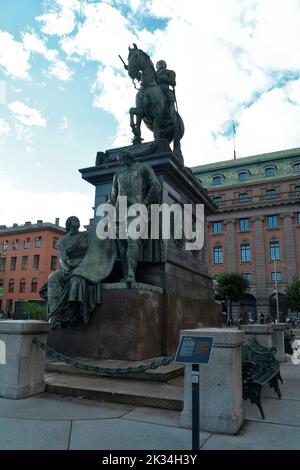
(152, 104)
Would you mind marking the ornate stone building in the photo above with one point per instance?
(256, 229)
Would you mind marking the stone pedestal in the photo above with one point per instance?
(263, 333)
(278, 340)
(270, 335)
(221, 398)
(23, 363)
(141, 322)
(130, 324)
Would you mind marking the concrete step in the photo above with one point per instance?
(132, 392)
(162, 374)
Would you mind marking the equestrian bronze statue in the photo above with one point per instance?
(155, 101)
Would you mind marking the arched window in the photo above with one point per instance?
(297, 167)
(244, 175)
(270, 171)
(22, 285)
(26, 243)
(34, 284)
(218, 179)
(11, 286)
(5, 245)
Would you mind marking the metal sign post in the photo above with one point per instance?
(195, 350)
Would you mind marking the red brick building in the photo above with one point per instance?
(28, 254)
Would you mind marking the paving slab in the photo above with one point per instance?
(20, 434)
(155, 416)
(49, 407)
(276, 412)
(129, 435)
(140, 393)
(257, 436)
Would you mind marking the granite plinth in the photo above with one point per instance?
(132, 324)
(22, 364)
(221, 398)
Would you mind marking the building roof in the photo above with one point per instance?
(29, 227)
(256, 164)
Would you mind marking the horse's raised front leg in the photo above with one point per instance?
(135, 125)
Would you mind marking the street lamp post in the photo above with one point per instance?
(276, 292)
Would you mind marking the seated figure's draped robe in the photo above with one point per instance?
(76, 294)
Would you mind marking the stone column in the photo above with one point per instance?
(289, 246)
(221, 397)
(230, 242)
(263, 334)
(261, 289)
(23, 363)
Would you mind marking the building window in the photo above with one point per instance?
(11, 286)
(5, 245)
(298, 218)
(54, 244)
(245, 253)
(24, 263)
(244, 175)
(36, 261)
(22, 285)
(297, 167)
(34, 284)
(218, 254)
(13, 263)
(27, 243)
(217, 227)
(244, 225)
(270, 171)
(217, 200)
(217, 180)
(248, 276)
(271, 193)
(276, 276)
(272, 221)
(2, 264)
(274, 251)
(243, 197)
(53, 263)
(297, 190)
(38, 242)
(15, 244)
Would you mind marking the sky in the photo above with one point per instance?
(64, 94)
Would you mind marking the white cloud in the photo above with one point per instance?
(61, 18)
(26, 115)
(58, 68)
(30, 205)
(4, 128)
(103, 35)
(13, 57)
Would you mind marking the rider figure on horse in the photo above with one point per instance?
(167, 78)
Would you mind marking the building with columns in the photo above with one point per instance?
(256, 228)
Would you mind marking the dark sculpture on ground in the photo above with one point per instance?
(154, 101)
(138, 182)
(74, 292)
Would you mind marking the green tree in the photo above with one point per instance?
(34, 311)
(230, 287)
(292, 295)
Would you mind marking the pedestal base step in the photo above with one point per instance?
(161, 374)
(132, 392)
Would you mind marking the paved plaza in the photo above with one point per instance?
(56, 422)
